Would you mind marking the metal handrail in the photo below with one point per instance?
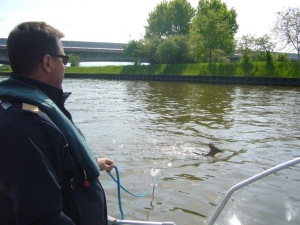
(113, 221)
(133, 222)
(249, 181)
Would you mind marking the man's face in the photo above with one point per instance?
(58, 67)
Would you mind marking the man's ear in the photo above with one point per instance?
(46, 63)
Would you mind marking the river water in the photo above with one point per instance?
(156, 130)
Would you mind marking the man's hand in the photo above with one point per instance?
(105, 164)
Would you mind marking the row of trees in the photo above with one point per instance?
(178, 33)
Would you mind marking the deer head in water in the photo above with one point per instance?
(212, 151)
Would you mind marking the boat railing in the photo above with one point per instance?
(113, 221)
(227, 196)
(249, 181)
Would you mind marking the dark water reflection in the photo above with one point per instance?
(155, 128)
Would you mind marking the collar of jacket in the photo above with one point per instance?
(55, 94)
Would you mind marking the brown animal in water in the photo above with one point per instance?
(212, 150)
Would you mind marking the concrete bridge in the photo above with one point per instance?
(87, 51)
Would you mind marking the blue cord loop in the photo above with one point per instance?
(117, 180)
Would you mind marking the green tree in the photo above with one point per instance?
(167, 51)
(264, 47)
(282, 57)
(256, 48)
(287, 29)
(269, 64)
(150, 48)
(159, 21)
(181, 13)
(135, 50)
(182, 55)
(74, 60)
(213, 29)
(170, 18)
(218, 55)
(173, 49)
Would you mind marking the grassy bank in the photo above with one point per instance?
(256, 69)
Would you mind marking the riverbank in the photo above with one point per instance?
(194, 79)
(256, 69)
(256, 73)
(276, 69)
(294, 82)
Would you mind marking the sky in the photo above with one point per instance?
(120, 21)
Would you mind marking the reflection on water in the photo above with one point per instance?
(152, 128)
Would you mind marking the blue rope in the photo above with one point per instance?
(117, 180)
(119, 192)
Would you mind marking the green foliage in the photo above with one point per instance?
(173, 50)
(95, 69)
(150, 49)
(256, 48)
(289, 69)
(75, 60)
(246, 63)
(254, 69)
(159, 21)
(144, 70)
(167, 51)
(181, 13)
(173, 35)
(264, 44)
(282, 57)
(5, 68)
(270, 69)
(182, 55)
(218, 55)
(213, 29)
(170, 18)
(135, 50)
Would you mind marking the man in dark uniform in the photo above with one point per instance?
(48, 174)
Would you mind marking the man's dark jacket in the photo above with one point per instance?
(41, 179)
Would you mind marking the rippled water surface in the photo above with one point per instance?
(155, 129)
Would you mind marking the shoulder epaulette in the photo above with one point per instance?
(30, 108)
